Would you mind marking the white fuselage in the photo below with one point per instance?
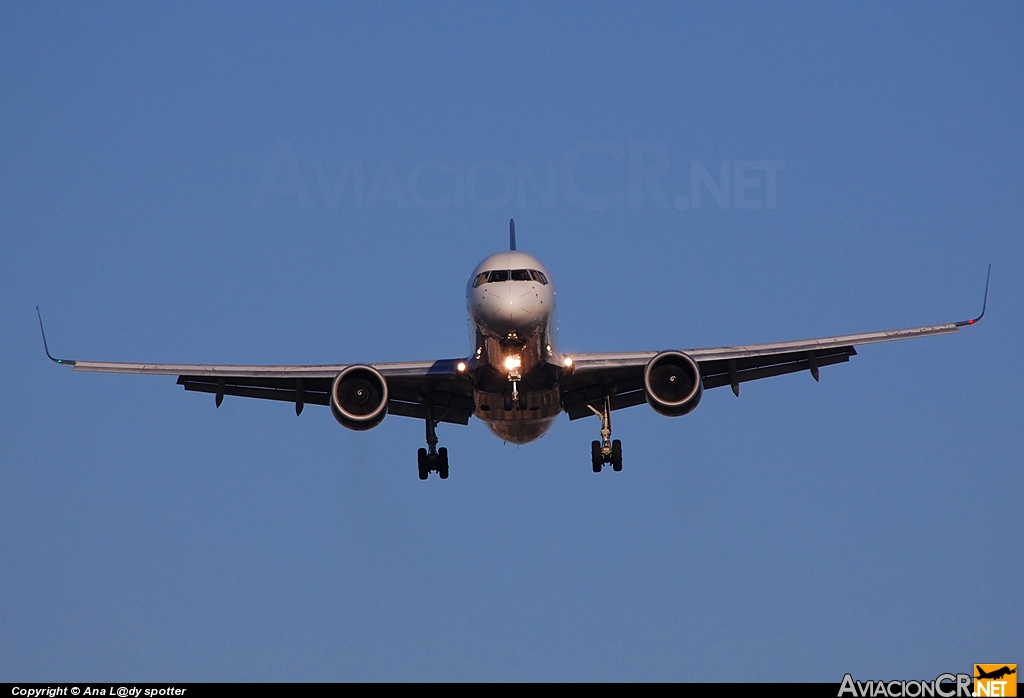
(515, 364)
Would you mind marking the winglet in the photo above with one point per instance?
(511, 234)
(46, 348)
(984, 303)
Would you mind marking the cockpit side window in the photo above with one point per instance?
(480, 278)
(539, 276)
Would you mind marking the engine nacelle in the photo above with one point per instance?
(359, 397)
(672, 383)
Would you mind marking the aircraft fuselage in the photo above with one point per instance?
(515, 362)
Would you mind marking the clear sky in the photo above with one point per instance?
(263, 183)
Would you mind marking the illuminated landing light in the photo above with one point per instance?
(568, 362)
(461, 366)
(512, 363)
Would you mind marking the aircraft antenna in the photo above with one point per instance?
(511, 234)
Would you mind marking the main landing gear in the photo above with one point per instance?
(605, 450)
(435, 459)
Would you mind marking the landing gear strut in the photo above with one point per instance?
(435, 459)
(605, 450)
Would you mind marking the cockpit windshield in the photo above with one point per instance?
(489, 277)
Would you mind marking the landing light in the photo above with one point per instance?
(461, 366)
(512, 363)
(568, 362)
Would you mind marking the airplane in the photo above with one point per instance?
(995, 674)
(515, 380)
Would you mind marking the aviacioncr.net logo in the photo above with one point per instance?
(943, 686)
(995, 680)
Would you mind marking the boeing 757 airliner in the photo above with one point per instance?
(515, 379)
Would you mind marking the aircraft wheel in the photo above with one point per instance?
(617, 456)
(442, 462)
(421, 461)
(595, 456)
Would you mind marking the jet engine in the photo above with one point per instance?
(672, 383)
(359, 398)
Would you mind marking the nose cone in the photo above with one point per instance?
(512, 306)
(520, 306)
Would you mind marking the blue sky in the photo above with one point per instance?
(257, 183)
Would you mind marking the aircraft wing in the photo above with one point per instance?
(451, 394)
(410, 383)
(623, 373)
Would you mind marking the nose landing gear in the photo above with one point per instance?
(435, 459)
(605, 450)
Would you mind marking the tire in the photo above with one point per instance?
(595, 456)
(617, 456)
(421, 461)
(442, 462)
